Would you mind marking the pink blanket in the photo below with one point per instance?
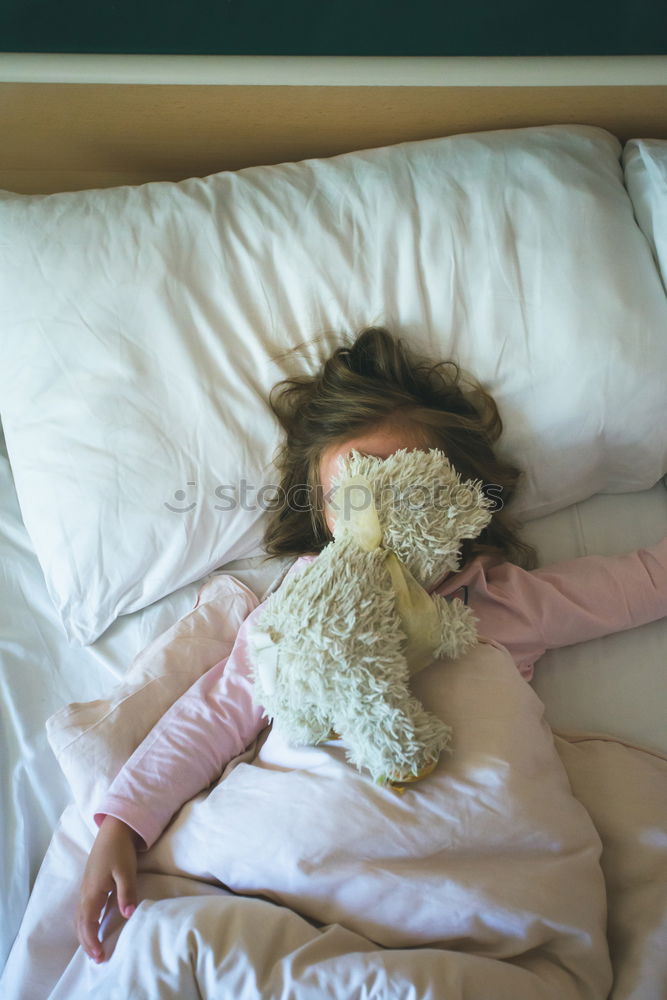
(483, 880)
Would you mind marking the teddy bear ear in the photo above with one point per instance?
(470, 510)
(354, 463)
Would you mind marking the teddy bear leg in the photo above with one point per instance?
(307, 729)
(432, 735)
(397, 740)
(458, 632)
(377, 736)
(398, 784)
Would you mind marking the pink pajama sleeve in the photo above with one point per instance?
(568, 602)
(214, 721)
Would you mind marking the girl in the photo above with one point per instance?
(377, 397)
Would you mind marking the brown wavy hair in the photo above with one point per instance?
(376, 379)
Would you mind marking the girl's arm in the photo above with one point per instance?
(189, 747)
(214, 721)
(570, 601)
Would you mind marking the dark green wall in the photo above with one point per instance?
(346, 27)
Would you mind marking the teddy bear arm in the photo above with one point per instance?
(458, 629)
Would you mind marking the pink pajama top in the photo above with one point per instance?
(527, 611)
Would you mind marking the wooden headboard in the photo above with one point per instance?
(73, 122)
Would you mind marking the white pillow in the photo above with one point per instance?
(144, 326)
(645, 166)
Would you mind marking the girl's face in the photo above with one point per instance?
(381, 442)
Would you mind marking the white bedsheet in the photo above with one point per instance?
(617, 684)
(39, 672)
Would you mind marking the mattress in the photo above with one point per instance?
(616, 685)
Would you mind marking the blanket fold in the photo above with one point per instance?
(491, 857)
(295, 875)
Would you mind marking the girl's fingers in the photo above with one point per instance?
(127, 893)
(88, 924)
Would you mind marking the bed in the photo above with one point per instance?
(148, 307)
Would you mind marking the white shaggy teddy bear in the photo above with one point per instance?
(335, 647)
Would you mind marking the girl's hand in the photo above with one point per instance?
(112, 864)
